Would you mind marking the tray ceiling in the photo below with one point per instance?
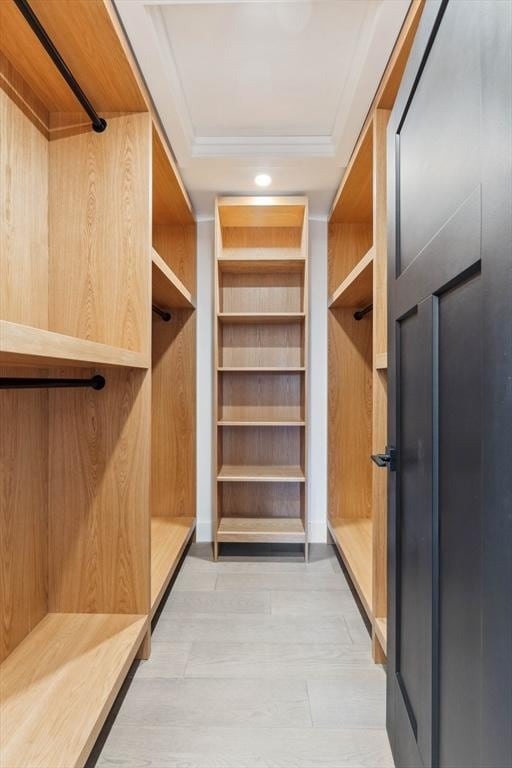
(250, 86)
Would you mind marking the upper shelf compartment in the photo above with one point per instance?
(168, 290)
(86, 34)
(357, 288)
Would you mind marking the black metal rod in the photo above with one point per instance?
(97, 382)
(166, 316)
(362, 312)
(98, 123)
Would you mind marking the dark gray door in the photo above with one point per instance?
(450, 392)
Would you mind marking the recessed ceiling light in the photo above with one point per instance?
(263, 180)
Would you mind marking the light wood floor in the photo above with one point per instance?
(256, 663)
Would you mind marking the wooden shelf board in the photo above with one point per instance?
(261, 474)
(357, 288)
(260, 369)
(25, 345)
(353, 537)
(262, 211)
(262, 422)
(381, 630)
(169, 537)
(59, 684)
(271, 529)
(261, 263)
(168, 290)
(260, 317)
(171, 203)
(381, 361)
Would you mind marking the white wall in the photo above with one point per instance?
(317, 400)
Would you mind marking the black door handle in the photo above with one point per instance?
(387, 459)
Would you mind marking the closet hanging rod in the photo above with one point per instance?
(166, 316)
(98, 123)
(362, 312)
(96, 382)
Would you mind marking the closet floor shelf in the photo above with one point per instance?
(59, 684)
(354, 539)
(283, 530)
(169, 537)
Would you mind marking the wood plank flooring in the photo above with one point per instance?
(257, 662)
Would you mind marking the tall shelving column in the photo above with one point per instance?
(261, 353)
(357, 321)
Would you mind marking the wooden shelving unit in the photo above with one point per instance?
(82, 562)
(358, 351)
(261, 370)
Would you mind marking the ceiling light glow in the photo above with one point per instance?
(263, 180)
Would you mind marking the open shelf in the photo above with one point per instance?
(357, 288)
(381, 630)
(168, 290)
(270, 421)
(260, 474)
(260, 317)
(260, 369)
(354, 539)
(58, 685)
(25, 345)
(262, 263)
(169, 537)
(288, 530)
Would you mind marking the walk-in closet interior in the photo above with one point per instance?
(255, 366)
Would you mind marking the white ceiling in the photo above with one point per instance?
(250, 86)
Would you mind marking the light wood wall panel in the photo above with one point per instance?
(100, 235)
(173, 462)
(350, 414)
(263, 345)
(273, 292)
(99, 490)
(259, 239)
(262, 446)
(261, 396)
(260, 499)
(23, 218)
(23, 511)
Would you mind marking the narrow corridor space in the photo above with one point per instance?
(257, 662)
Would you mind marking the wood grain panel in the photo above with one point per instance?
(262, 446)
(85, 35)
(59, 685)
(357, 289)
(99, 234)
(264, 395)
(262, 211)
(260, 500)
(99, 495)
(350, 414)
(261, 345)
(173, 439)
(23, 218)
(354, 200)
(347, 245)
(171, 204)
(23, 511)
(270, 242)
(275, 292)
(177, 247)
(167, 289)
(354, 541)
